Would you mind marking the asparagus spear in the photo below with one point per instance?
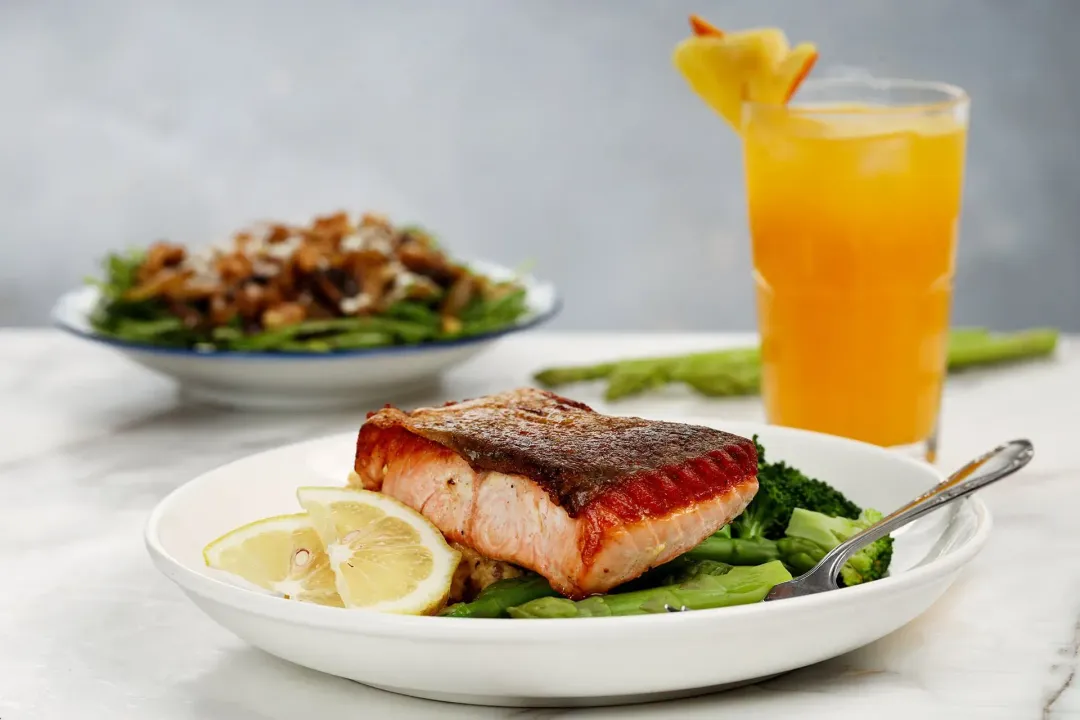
(971, 348)
(799, 555)
(680, 570)
(725, 373)
(494, 600)
(735, 551)
(738, 586)
(685, 569)
(738, 371)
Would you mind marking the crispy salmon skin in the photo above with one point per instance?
(589, 501)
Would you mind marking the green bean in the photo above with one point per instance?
(361, 339)
(407, 322)
(415, 311)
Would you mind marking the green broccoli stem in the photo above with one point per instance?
(494, 600)
(724, 373)
(738, 586)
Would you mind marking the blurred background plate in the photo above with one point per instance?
(292, 380)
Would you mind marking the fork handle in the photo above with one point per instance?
(1000, 462)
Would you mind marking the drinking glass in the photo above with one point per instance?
(854, 193)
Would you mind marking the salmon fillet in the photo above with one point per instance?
(589, 501)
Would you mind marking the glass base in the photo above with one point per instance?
(925, 450)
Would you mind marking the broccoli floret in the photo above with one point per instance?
(810, 535)
(781, 489)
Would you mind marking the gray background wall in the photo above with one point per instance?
(554, 130)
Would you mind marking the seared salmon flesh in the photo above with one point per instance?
(589, 501)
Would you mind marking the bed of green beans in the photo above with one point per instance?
(408, 322)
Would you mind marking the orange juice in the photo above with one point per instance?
(853, 217)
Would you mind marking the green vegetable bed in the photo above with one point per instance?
(407, 322)
(790, 525)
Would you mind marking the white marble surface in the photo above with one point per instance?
(89, 630)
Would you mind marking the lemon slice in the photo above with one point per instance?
(385, 556)
(281, 554)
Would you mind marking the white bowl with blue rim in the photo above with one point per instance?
(298, 380)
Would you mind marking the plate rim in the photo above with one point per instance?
(546, 630)
(550, 305)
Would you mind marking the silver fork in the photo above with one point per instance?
(1000, 462)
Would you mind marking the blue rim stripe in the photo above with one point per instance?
(541, 317)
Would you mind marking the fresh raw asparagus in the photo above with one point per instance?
(494, 600)
(738, 586)
(971, 348)
(725, 373)
(718, 373)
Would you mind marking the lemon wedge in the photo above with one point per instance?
(385, 556)
(282, 554)
(727, 69)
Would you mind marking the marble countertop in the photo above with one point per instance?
(89, 630)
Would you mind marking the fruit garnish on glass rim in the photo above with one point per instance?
(727, 69)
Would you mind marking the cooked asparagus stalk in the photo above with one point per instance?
(680, 570)
(494, 600)
(738, 586)
(800, 551)
(735, 551)
(738, 372)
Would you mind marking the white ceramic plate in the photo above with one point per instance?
(291, 380)
(566, 662)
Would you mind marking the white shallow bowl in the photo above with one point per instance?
(294, 380)
(592, 661)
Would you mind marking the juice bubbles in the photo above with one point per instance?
(854, 206)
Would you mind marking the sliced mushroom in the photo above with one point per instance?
(427, 261)
(461, 292)
(283, 314)
(160, 255)
(161, 283)
(222, 311)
